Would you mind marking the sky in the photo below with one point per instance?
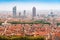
(7, 5)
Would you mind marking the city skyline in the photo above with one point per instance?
(7, 5)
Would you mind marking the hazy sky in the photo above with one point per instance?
(7, 5)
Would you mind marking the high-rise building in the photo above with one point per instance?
(33, 12)
(38, 15)
(14, 12)
(19, 14)
(24, 13)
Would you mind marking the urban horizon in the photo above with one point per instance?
(29, 19)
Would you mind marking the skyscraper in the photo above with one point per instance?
(14, 12)
(24, 13)
(19, 14)
(33, 12)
